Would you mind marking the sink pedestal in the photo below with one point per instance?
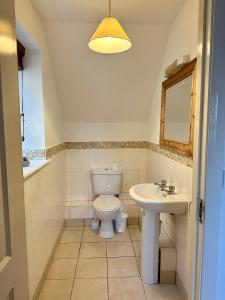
(150, 247)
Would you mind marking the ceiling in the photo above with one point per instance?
(107, 88)
(128, 11)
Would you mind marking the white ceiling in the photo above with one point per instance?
(107, 88)
(128, 11)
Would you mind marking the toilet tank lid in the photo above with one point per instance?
(106, 171)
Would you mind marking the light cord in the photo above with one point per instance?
(109, 8)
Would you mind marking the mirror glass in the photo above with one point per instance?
(178, 111)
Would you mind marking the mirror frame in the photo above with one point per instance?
(185, 71)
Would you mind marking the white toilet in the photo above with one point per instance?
(106, 185)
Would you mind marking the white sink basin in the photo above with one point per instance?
(154, 201)
(149, 196)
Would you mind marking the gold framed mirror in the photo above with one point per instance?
(178, 110)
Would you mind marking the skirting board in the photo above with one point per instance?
(51, 257)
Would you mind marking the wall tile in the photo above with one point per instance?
(130, 159)
(80, 182)
(44, 196)
(130, 178)
(97, 158)
(78, 209)
(79, 160)
(177, 228)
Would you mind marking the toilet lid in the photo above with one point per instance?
(107, 203)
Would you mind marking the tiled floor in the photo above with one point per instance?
(88, 267)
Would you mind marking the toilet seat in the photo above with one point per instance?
(106, 203)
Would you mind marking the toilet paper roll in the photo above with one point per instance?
(115, 165)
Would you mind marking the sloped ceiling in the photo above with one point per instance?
(106, 88)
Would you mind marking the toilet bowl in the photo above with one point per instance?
(106, 209)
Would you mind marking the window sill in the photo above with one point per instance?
(35, 166)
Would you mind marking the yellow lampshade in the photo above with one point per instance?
(109, 37)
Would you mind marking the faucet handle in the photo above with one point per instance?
(164, 182)
(171, 189)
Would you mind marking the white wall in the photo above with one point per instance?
(91, 131)
(44, 194)
(45, 190)
(106, 88)
(182, 40)
(29, 20)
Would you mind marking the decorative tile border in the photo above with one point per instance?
(106, 145)
(51, 151)
(181, 158)
(35, 154)
(55, 150)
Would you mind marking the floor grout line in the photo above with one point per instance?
(76, 265)
(107, 269)
(138, 268)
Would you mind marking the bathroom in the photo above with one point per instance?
(95, 146)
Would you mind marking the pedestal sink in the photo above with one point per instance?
(154, 201)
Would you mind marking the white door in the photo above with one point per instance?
(13, 265)
(210, 174)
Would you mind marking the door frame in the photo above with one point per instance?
(209, 174)
(13, 261)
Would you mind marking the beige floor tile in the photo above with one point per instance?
(138, 259)
(126, 289)
(120, 237)
(91, 236)
(117, 249)
(91, 268)
(162, 292)
(56, 290)
(135, 234)
(130, 227)
(122, 267)
(86, 289)
(137, 247)
(87, 227)
(62, 269)
(74, 222)
(91, 250)
(76, 228)
(70, 250)
(71, 236)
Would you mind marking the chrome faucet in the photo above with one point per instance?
(162, 185)
(170, 190)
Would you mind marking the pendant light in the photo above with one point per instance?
(110, 36)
